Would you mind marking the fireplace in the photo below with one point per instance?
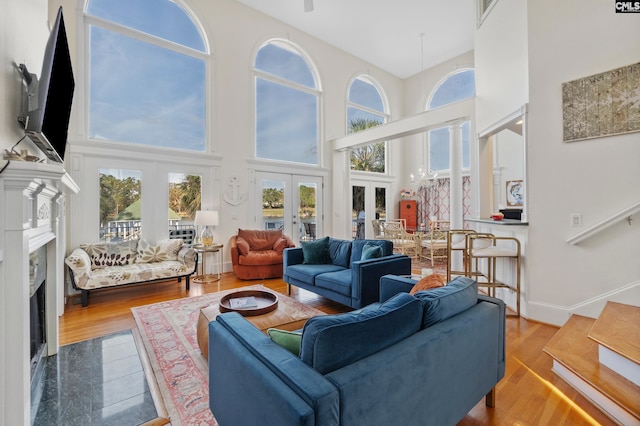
(32, 249)
(37, 308)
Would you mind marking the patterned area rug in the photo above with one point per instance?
(168, 330)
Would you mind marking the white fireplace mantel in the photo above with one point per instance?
(32, 214)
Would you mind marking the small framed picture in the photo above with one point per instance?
(515, 193)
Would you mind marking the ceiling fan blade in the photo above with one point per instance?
(308, 5)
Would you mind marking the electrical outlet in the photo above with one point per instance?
(575, 219)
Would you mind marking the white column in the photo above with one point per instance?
(455, 176)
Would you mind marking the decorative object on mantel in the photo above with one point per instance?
(235, 198)
(22, 156)
(604, 104)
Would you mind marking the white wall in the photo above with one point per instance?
(597, 178)
(501, 62)
(510, 159)
(25, 31)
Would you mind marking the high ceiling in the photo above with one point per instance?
(386, 33)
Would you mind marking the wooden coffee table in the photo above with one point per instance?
(289, 315)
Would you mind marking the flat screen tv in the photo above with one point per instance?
(47, 123)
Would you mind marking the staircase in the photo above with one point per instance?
(600, 358)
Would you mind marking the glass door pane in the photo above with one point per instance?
(358, 214)
(368, 203)
(309, 208)
(297, 212)
(120, 204)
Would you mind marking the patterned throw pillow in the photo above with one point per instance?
(151, 251)
(111, 254)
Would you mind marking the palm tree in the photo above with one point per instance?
(191, 193)
(370, 158)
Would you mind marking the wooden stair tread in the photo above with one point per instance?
(572, 347)
(618, 329)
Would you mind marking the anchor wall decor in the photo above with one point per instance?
(234, 197)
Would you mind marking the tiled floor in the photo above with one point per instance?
(96, 382)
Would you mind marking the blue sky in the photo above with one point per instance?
(140, 92)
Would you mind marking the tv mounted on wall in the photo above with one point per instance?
(46, 121)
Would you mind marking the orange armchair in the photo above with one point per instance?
(257, 254)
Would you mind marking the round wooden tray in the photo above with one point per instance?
(265, 300)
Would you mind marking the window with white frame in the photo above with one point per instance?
(366, 109)
(287, 104)
(147, 63)
(455, 87)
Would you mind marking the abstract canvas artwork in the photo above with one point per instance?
(602, 105)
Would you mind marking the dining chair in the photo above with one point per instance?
(433, 245)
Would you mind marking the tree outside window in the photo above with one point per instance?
(365, 109)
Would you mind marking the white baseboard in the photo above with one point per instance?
(608, 407)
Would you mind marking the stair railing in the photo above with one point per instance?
(601, 226)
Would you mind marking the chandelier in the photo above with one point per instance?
(423, 179)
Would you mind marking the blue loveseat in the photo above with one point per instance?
(426, 359)
(345, 278)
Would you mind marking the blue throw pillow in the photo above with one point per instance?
(340, 252)
(371, 251)
(444, 302)
(316, 252)
(330, 342)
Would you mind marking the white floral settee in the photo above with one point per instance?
(101, 265)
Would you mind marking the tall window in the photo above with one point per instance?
(120, 204)
(185, 193)
(147, 69)
(366, 109)
(287, 105)
(456, 87)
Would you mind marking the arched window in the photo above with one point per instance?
(147, 74)
(455, 87)
(365, 109)
(287, 105)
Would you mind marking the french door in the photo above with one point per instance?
(292, 203)
(368, 202)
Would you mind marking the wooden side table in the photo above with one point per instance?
(202, 250)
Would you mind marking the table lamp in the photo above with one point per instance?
(206, 218)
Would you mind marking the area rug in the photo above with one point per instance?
(168, 331)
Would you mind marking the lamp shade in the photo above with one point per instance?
(206, 218)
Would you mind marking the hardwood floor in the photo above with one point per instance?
(529, 394)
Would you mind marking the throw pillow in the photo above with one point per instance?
(444, 302)
(430, 281)
(172, 246)
(316, 252)
(242, 245)
(151, 251)
(111, 254)
(370, 251)
(290, 340)
(280, 245)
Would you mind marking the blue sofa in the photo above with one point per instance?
(346, 278)
(425, 359)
